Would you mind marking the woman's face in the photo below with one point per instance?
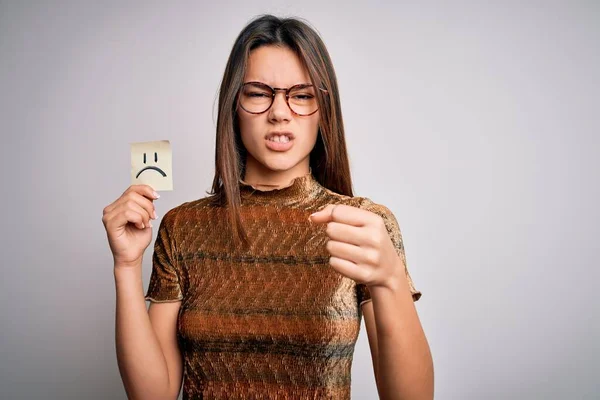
(278, 67)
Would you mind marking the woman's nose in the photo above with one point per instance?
(280, 108)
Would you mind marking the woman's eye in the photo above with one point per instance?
(303, 96)
(257, 94)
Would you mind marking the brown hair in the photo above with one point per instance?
(328, 159)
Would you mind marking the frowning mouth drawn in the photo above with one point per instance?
(151, 167)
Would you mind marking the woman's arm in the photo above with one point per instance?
(365, 245)
(401, 356)
(148, 357)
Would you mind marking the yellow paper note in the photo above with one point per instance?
(151, 164)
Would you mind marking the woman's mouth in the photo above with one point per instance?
(279, 142)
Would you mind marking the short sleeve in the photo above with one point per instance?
(362, 294)
(165, 279)
(362, 291)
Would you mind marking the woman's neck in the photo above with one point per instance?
(266, 179)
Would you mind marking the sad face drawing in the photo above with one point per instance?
(151, 167)
(151, 164)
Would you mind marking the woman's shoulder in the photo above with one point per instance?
(361, 202)
(378, 208)
(332, 197)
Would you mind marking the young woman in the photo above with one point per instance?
(258, 289)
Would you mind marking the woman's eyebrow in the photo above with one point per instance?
(266, 83)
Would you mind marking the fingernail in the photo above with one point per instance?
(150, 223)
(143, 226)
(155, 216)
(156, 195)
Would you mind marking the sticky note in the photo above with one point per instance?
(151, 164)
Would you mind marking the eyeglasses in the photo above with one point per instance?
(258, 97)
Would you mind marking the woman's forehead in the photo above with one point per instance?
(275, 66)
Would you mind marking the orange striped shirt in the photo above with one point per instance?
(274, 321)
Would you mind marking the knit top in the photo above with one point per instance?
(273, 321)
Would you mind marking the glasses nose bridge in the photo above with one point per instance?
(284, 90)
(285, 96)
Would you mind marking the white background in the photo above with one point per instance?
(477, 125)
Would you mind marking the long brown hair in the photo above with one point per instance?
(328, 159)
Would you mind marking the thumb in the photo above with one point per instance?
(323, 215)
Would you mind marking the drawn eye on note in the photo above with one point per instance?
(151, 164)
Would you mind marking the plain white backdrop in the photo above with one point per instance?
(477, 125)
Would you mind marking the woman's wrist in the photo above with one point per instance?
(127, 269)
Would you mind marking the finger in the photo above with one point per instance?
(117, 219)
(134, 197)
(147, 204)
(346, 251)
(341, 213)
(347, 233)
(145, 191)
(323, 215)
(348, 269)
(134, 206)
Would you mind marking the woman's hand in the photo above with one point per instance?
(127, 224)
(359, 244)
